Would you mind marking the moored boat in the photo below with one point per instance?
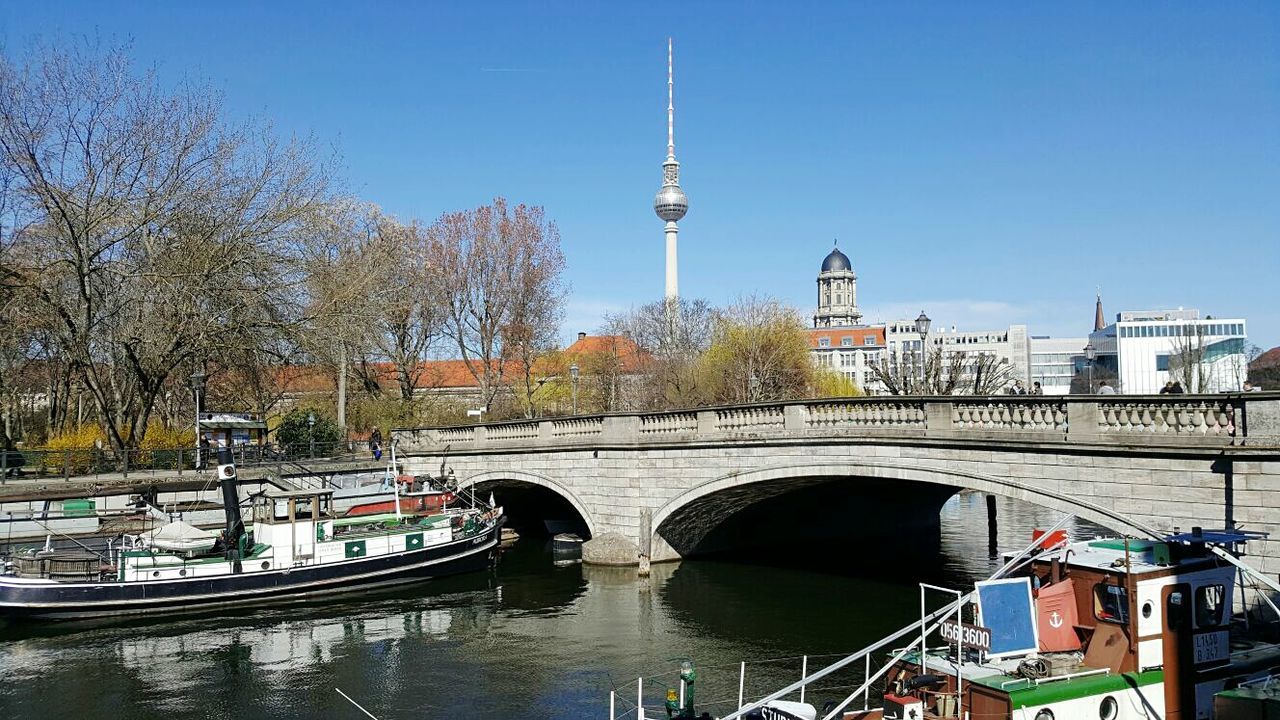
(298, 549)
(1100, 629)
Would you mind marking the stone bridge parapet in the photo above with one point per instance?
(1162, 422)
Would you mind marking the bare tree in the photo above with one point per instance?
(673, 335)
(1187, 359)
(151, 235)
(938, 372)
(501, 278)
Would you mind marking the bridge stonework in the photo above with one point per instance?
(1138, 465)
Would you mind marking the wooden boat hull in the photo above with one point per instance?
(36, 600)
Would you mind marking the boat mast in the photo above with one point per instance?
(230, 507)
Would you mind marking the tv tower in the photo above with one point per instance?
(671, 203)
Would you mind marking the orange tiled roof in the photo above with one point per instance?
(857, 335)
(630, 356)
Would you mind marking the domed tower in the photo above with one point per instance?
(671, 203)
(837, 292)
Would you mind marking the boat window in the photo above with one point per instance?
(1108, 709)
(282, 510)
(1209, 600)
(1175, 610)
(302, 509)
(1111, 603)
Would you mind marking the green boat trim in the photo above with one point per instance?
(1056, 691)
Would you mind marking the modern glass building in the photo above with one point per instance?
(1145, 349)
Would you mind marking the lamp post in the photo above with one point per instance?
(922, 328)
(1090, 352)
(573, 375)
(197, 386)
(311, 432)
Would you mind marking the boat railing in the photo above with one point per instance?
(927, 625)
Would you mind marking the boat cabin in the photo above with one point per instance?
(293, 522)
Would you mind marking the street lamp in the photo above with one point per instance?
(1090, 352)
(573, 375)
(197, 386)
(311, 432)
(922, 328)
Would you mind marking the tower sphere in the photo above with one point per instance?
(671, 203)
(836, 261)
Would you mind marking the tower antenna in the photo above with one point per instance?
(671, 106)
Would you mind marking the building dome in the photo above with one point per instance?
(836, 262)
(671, 204)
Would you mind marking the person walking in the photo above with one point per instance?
(1177, 388)
(375, 444)
(1105, 389)
(1168, 387)
(1036, 389)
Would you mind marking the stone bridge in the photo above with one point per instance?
(675, 481)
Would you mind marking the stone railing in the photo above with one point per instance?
(1013, 415)
(1163, 421)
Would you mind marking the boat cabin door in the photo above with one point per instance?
(1179, 663)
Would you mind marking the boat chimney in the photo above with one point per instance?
(234, 533)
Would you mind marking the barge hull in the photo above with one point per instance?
(69, 601)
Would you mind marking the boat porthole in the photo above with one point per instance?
(1108, 709)
(182, 572)
(1146, 609)
(266, 564)
(1045, 714)
(155, 574)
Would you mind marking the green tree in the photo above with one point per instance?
(759, 353)
(295, 434)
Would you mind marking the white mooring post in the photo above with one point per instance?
(613, 696)
(742, 681)
(804, 673)
(640, 698)
(866, 695)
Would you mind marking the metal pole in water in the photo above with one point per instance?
(353, 702)
(612, 700)
(991, 524)
(640, 698)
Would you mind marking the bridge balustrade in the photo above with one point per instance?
(1175, 420)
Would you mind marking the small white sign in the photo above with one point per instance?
(1211, 646)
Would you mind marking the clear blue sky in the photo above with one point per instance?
(986, 162)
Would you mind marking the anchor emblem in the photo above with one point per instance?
(1055, 620)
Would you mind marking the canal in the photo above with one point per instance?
(529, 640)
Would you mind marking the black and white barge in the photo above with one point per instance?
(297, 549)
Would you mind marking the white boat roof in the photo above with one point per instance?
(278, 493)
(1108, 555)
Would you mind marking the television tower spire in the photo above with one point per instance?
(671, 203)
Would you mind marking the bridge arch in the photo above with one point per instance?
(496, 477)
(678, 507)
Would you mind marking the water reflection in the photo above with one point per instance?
(531, 641)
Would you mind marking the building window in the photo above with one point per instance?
(824, 342)
(869, 340)
(846, 342)
(1162, 363)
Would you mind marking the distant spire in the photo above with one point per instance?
(1098, 321)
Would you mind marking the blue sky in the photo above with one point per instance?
(987, 162)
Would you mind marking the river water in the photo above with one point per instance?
(528, 640)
